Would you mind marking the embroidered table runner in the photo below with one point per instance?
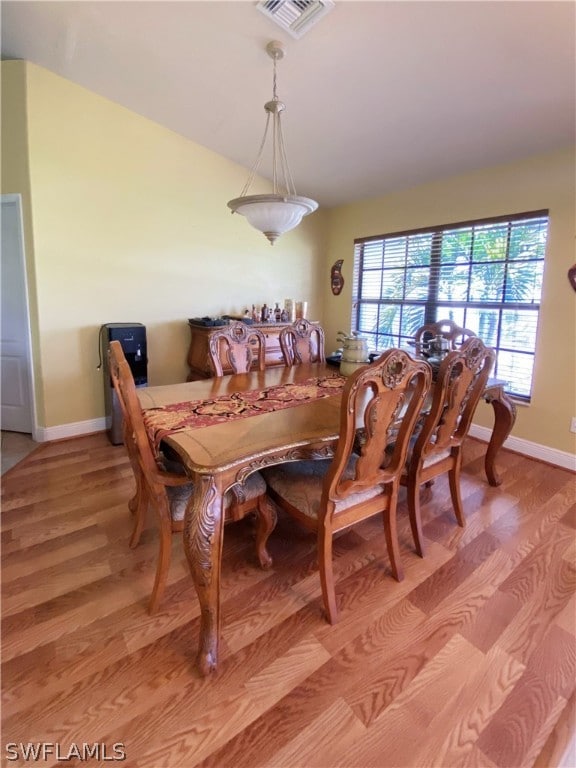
(165, 420)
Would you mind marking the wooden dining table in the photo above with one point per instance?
(226, 428)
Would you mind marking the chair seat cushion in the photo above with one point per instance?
(429, 460)
(179, 495)
(300, 484)
(254, 487)
(434, 458)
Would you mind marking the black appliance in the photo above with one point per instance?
(132, 337)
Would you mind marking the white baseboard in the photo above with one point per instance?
(536, 451)
(527, 448)
(76, 429)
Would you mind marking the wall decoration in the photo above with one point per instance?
(572, 276)
(336, 279)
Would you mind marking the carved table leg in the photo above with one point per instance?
(203, 536)
(504, 418)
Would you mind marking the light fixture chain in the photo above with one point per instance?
(275, 126)
(281, 173)
(279, 212)
(286, 172)
(256, 165)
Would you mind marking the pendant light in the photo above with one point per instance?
(282, 210)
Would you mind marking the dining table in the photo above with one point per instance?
(226, 428)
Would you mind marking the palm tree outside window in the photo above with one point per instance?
(484, 275)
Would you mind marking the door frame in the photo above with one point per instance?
(16, 199)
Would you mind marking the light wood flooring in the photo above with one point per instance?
(470, 661)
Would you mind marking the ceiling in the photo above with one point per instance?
(380, 96)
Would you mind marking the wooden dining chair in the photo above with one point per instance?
(327, 496)
(302, 342)
(448, 329)
(238, 348)
(458, 386)
(162, 483)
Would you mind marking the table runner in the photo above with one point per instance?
(165, 420)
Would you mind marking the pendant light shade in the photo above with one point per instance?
(276, 213)
(273, 214)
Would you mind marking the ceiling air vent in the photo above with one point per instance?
(295, 16)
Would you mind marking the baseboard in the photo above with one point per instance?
(527, 448)
(76, 429)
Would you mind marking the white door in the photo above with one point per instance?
(15, 363)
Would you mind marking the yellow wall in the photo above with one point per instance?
(130, 224)
(16, 179)
(539, 182)
(126, 221)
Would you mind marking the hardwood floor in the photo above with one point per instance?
(470, 661)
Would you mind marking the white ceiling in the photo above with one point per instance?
(380, 95)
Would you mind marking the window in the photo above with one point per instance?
(484, 275)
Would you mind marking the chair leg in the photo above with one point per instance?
(391, 532)
(413, 500)
(454, 481)
(134, 501)
(164, 554)
(266, 522)
(327, 574)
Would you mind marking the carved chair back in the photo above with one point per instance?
(168, 492)
(302, 342)
(460, 382)
(134, 427)
(163, 483)
(446, 328)
(382, 401)
(239, 347)
(115, 357)
(459, 385)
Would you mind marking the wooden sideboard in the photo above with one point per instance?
(199, 362)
